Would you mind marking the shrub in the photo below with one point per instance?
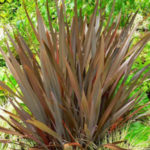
(75, 86)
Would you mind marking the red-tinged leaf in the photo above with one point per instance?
(25, 46)
(62, 41)
(70, 118)
(114, 34)
(74, 82)
(69, 132)
(137, 75)
(10, 123)
(7, 131)
(43, 136)
(57, 69)
(110, 16)
(93, 44)
(127, 28)
(32, 60)
(114, 147)
(21, 128)
(108, 35)
(44, 128)
(116, 83)
(38, 90)
(75, 37)
(11, 114)
(108, 110)
(102, 16)
(50, 81)
(120, 55)
(97, 64)
(138, 44)
(88, 38)
(85, 107)
(51, 27)
(96, 94)
(41, 27)
(35, 32)
(4, 87)
(35, 148)
(58, 115)
(115, 125)
(122, 110)
(135, 112)
(27, 91)
(22, 116)
(101, 55)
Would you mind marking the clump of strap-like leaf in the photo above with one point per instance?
(75, 86)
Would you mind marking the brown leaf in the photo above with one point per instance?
(114, 147)
(44, 128)
(73, 81)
